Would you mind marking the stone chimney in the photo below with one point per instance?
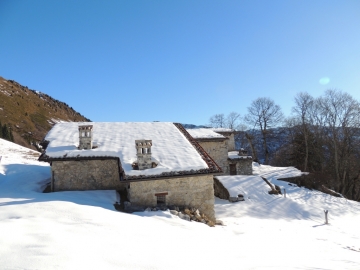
(243, 152)
(85, 137)
(143, 154)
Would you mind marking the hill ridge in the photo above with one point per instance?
(30, 114)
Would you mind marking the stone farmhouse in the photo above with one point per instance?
(157, 163)
(219, 143)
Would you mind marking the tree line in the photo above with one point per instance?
(322, 136)
(5, 133)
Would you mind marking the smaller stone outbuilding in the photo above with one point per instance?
(240, 163)
(219, 143)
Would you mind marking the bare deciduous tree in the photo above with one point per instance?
(250, 139)
(342, 118)
(263, 113)
(303, 106)
(233, 120)
(218, 121)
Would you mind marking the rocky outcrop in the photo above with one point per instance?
(193, 214)
(183, 212)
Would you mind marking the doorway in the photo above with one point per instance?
(232, 169)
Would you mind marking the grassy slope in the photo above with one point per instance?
(30, 113)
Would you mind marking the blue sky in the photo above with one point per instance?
(180, 61)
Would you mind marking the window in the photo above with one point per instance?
(161, 198)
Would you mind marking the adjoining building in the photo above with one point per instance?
(219, 143)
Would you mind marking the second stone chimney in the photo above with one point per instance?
(243, 152)
(85, 137)
(143, 154)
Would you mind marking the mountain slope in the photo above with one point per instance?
(30, 114)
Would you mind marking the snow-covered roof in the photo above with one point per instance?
(204, 133)
(171, 149)
(235, 155)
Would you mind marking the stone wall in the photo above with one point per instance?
(195, 191)
(86, 175)
(231, 139)
(218, 150)
(243, 166)
(220, 191)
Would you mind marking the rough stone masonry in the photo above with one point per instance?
(86, 175)
(194, 191)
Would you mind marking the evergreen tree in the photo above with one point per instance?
(6, 133)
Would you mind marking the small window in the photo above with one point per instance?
(83, 134)
(161, 198)
(144, 150)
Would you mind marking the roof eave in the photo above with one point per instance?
(211, 139)
(47, 158)
(165, 177)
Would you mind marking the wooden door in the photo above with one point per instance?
(232, 169)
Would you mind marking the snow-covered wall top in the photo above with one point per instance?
(171, 150)
(222, 129)
(204, 133)
(235, 155)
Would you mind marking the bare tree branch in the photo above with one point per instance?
(263, 113)
(233, 120)
(217, 121)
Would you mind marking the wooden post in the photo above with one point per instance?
(284, 193)
(326, 216)
(52, 181)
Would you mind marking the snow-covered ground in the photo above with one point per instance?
(81, 230)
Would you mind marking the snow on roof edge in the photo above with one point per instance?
(204, 133)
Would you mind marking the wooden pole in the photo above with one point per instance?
(326, 216)
(284, 193)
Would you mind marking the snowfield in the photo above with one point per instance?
(81, 230)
